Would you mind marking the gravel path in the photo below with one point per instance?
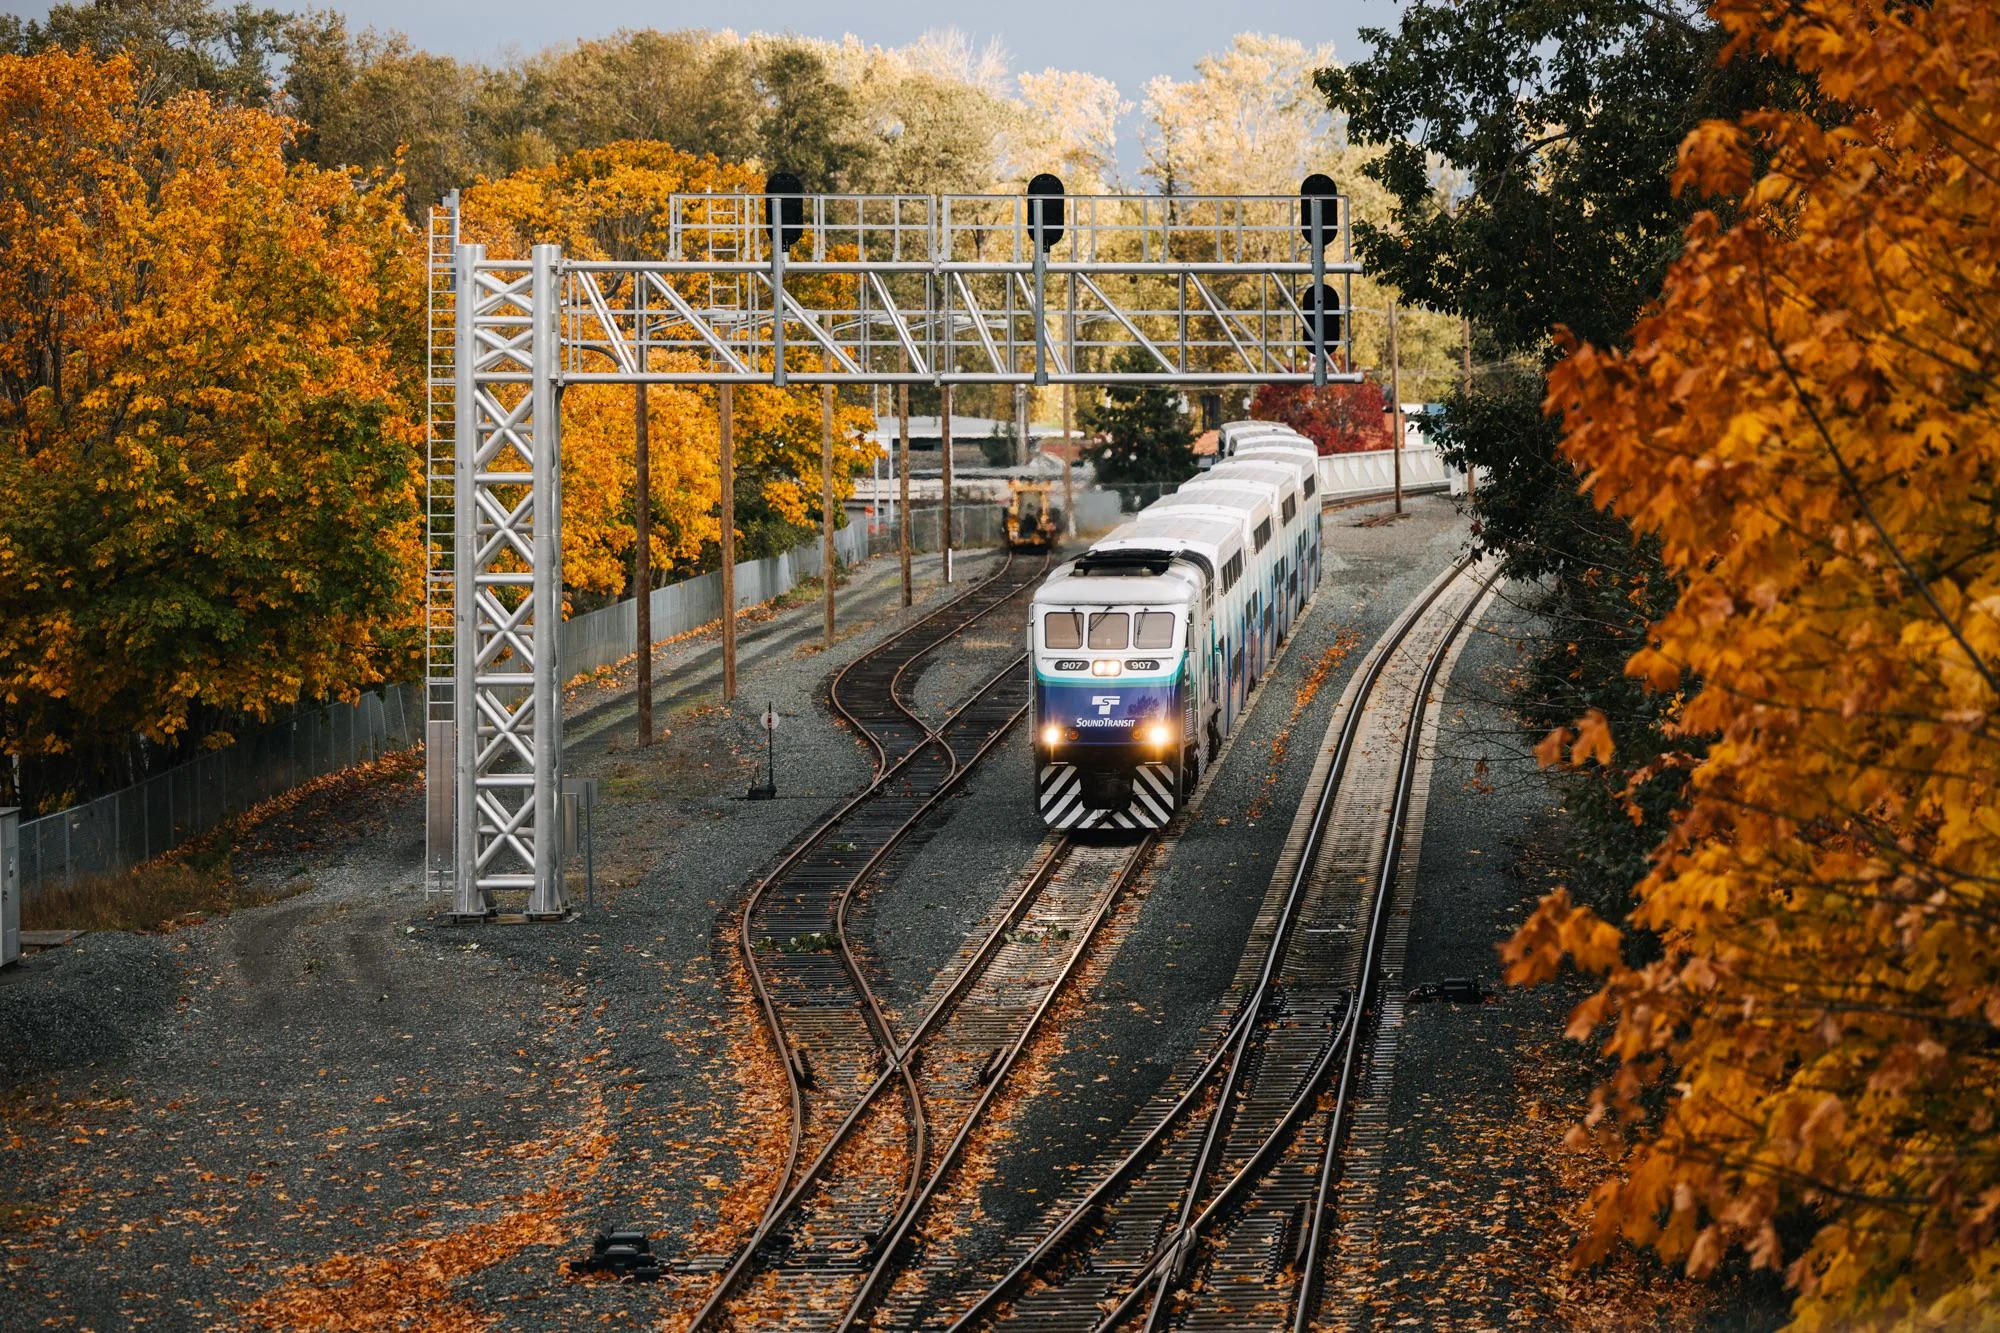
(337, 1103)
(1172, 966)
(1478, 1191)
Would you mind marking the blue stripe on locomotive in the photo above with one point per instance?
(1105, 710)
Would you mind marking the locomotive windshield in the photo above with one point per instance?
(1109, 631)
(1155, 629)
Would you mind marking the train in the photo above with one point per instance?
(1144, 649)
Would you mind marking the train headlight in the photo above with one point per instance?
(1158, 734)
(1051, 735)
(1106, 666)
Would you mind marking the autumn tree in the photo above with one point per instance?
(1808, 426)
(613, 202)
(208, 452)
(1560, 120)
(1338, 418)
(177, 45)
(376, 101)
(1068, 124)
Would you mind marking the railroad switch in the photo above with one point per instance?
(1452, 990)
(624, 1252)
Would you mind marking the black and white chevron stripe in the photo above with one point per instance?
(1059, 791)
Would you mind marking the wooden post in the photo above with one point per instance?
(642, 558)
(1069, 485)
(944, 515)
(1465, 391)
(725, 413)
(1396, 404)
(826, 501)
(903, 485)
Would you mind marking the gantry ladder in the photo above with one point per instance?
(441, 428)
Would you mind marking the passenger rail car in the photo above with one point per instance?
(1145, 648)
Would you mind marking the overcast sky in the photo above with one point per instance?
(1125, 42)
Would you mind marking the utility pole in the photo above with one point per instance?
(1465, 392)
(944, 515)
(826, 501)
(1020, 425)
(642, 557)
(725, 409)
(903, 485)
(1069, 485)
(1396, 403)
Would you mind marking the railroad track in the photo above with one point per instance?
(833, 1039)
(1211, 1212)
(975, 1028)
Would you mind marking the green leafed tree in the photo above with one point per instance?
(1562, 118)
(1143, 433)
(229, 52)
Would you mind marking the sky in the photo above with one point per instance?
(1125, 42)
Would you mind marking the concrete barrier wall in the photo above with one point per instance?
(1374, 472)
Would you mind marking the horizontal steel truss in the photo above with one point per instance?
(889, 289)
(878, 289)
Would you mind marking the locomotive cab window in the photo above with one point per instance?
(1309, 485)
(1108, 629)
(1154, 629)
(1062, 629)
(1263, 535)
(1291, 509)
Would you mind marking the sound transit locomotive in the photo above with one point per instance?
(1144, 649)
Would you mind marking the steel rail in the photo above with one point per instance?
(1406, 780)
(884, 771)
(1235, 1041)
(859, 1305)
(895, 1057)
(1164, 1270)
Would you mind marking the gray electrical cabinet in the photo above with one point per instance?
(10, 886)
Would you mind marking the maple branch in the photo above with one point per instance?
(1854, 488)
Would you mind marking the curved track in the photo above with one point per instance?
(1223, 1155)
(833, 1039)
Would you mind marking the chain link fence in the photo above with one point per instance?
(116, 832)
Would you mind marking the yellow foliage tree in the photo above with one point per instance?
(208, 450)
(613, 203)
(1810, 424)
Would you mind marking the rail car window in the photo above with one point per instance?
(1153, 629)
(1291, 509)
(1263, 535)
(1062, 629)
(1108, 629)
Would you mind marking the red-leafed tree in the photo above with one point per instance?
(1339, 418)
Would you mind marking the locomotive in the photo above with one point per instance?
(1145, 648)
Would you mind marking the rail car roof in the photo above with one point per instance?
(1132, 585)
(1305, 467)
(1285, 474)
(1235, 431)
(1303, 450)
(1247, 503)
(1231, 490)
(1207, 541)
